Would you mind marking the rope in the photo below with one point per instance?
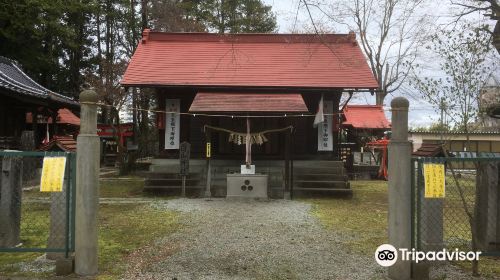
(242, 133)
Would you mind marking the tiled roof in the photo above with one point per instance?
(249, 60)
(64, 143)
(247, 102)
(17, 82)
(429, 150)
(486, 132)
(365, 117)
(64, 116)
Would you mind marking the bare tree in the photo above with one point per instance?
(490, 8)
(390, 33)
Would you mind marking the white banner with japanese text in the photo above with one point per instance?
(325, 134)
(172, 123)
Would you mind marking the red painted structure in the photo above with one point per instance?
(123, 131)
(270, 74)
(365, 117)
(249, 60)
(247, 102)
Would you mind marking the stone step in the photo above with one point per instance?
(321, 184)
(319, 170)
(320, 177)
(322, 191)
(170, 182)
(318, 163)
(173, 187)
(164, 175)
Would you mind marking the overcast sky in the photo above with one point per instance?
(291, 16)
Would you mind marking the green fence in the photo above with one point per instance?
(31, 220)
(468, 216)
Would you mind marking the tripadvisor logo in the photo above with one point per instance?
(387, 255)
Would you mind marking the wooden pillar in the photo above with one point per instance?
(336, 126)
(55, 114)
(208, 155)
(286, 193)
(34, 124)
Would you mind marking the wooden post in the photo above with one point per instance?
(184, 153)
(10, 201)
(286, 193)
(87, 187)
(208, 150)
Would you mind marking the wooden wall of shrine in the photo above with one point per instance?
(191, 130)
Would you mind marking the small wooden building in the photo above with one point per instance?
(276, 80)
(20, 95)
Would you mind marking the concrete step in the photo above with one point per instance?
(320, 177)
(173, 187)
(318, 163)
(319, 170)
(321, 192)
(164, 175)
(170, 182)
(321, 184)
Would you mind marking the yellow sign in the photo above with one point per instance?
(53, 174)
(208, 149)
(434, 180)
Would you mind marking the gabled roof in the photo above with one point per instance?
(16, 83)
(247, 102)
(64, 116)
(330, 61)
(60, 143)
(365, 117)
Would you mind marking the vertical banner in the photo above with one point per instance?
(172, 124)
(434, 179)
(325, 134)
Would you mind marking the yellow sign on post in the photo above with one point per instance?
(209, 148)
(434, 180)
(53, 174)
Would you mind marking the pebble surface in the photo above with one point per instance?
(248, 239)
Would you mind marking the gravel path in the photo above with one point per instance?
(224, 239)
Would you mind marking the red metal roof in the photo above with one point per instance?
(249, 60)
(365, 117)
(247, 102)
(64, 116)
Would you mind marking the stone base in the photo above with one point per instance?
(247, 186)
(64, 266)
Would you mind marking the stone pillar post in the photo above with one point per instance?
(487, 207)
(400, 187)
(10, 201)
(87, 186)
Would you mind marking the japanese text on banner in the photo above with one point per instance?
(172, 127)
(325, 133)
(53, 174)
(434, 177)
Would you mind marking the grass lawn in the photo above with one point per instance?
(121, 188)
(123, 229)
(364, 220)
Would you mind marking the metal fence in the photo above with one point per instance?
(468, 216)
(31, 220)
